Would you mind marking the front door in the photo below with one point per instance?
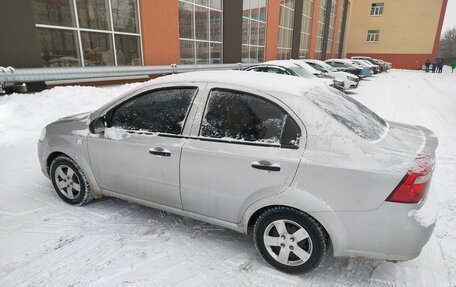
(139, 153)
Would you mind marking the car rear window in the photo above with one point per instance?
(349, 112)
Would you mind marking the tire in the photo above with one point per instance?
(69, 181)
(311, 242)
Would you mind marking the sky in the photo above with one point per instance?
(450, 16)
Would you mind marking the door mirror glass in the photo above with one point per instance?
(97, 126)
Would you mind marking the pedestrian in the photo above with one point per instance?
(441, 64)
(434, 65)
(428, 63)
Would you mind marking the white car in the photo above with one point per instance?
(289, 67)
(300, 166)
(350, 81)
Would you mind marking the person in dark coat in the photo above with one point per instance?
(441, 64)
(428, 64)
(434, 65)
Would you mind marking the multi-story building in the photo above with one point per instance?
(81, 33)
(403, 32)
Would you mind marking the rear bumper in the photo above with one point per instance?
(394, 231)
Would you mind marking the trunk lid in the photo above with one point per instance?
(410, 140)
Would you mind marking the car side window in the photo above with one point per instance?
(275, 71)
(245, 117)
(338, 65)
(256, 69)
(317, 67)
(162, 111)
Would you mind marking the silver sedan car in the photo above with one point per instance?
(294, 163)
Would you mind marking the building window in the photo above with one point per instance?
(287, 8)
(321, 29)
(253, 30)
(75, 33)
(339, 40)
(332, 17)
(377, 9)
(306, 28)
(372, 35)
(200, 31)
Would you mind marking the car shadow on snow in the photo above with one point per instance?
(113, 211)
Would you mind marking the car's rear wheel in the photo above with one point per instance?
(69, 181)
(290, 240)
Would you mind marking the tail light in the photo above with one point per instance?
(414, 185)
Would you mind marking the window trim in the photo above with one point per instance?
(253, 143)
(194, 40)
(375, 10)
(249, 44)
(280, 47)
(110, 31)
(108, 115)
(373, 36)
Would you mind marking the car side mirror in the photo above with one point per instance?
(97, 126)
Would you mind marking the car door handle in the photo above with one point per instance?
(160, 151)
(266, 165)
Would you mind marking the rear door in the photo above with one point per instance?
(243, 147)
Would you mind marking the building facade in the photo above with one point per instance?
(403, 32)
(82, 33)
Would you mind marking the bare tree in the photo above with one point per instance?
(447, 44)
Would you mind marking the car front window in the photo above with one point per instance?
(162, 111)
(233, 115)
(300, 71)
(349, 112)
(328, 67)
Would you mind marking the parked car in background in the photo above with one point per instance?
(345, 65)
(350, 81)
(300, 166)
(288, 67)
(384, 66)
(375, 68)
(368, 70)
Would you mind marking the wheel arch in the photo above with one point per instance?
(329, 221)
(51, 157)
(253, 218)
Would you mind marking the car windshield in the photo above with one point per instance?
(325, 65)
(350, 64)
(349, 112)
(360, 63)
(301, 72)
(318, 67)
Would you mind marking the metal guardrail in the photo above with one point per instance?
(10, 77)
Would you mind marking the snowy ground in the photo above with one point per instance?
(45, 242)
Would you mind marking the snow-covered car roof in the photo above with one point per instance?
(293, 63)
(340, 60)
(285, 85)
(265, 82)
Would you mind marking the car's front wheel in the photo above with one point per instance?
(290, 240)
(69, 181)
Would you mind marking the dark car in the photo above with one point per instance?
(346, 66)
(381, 65)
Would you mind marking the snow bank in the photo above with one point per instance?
(24, 115)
